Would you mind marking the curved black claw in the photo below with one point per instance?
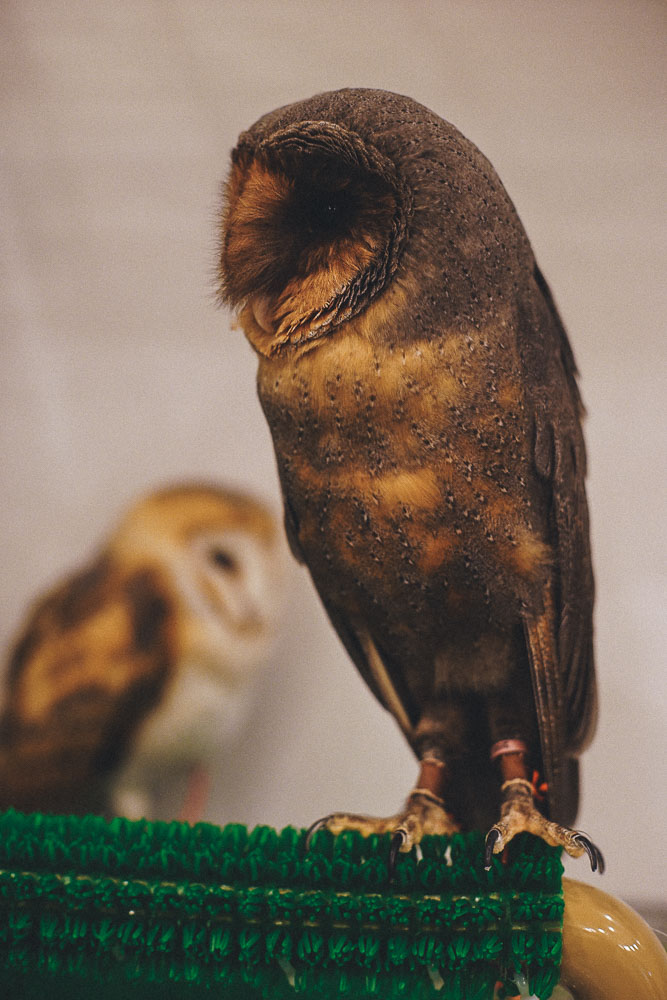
(594, 853)
(397, 842)
(492, 836)
(319, 824)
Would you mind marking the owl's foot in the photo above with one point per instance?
(424, 813)
(519, 815)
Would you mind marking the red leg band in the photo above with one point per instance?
(503, 747)
(432, 776)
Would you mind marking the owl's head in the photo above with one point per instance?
(331, 200)
(314, 217)
(221, 555)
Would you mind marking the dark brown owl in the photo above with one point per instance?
(421, 393)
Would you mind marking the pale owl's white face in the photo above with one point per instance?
(227, 584)
(231, 580)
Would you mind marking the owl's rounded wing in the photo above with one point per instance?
(560, 637)
(91, 662)
(380, 674)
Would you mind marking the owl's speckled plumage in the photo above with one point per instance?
(139, 666)
(422, 398)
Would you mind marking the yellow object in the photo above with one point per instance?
(609, 952)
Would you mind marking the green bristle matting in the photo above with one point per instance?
(137, 909)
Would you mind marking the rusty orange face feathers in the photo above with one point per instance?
(308, 238)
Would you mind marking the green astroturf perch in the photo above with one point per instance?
(138, 909)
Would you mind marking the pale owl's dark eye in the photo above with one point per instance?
(223, 560)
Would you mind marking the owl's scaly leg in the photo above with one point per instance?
(424, 812)
(520, 815)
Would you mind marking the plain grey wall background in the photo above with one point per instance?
(118, 373)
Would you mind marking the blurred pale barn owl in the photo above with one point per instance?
(141, 664)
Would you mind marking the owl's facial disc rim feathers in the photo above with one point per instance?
(279, 307)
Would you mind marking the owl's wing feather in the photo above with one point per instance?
(292, 528)
(560, 638)
(89, 665)
(373, 664)
(356, 648)
(378, 672)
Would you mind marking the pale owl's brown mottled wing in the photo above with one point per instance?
(91, 662)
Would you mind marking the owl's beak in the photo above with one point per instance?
(248, 615)
(260, 306)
